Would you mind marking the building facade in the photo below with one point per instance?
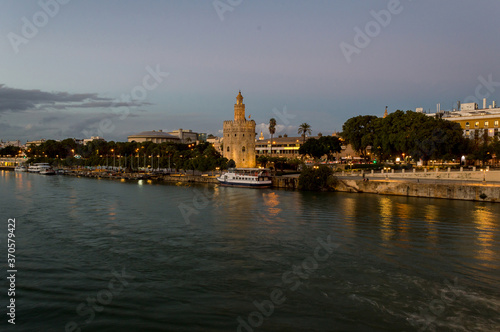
(475, 121)
(186, 135)
(153, 136)
(288, 147)
(239, 137)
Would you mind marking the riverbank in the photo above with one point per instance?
(448, 190)
(146, 176)
(463, 190)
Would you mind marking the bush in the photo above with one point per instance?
(316, 179)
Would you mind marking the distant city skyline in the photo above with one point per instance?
(115, 68)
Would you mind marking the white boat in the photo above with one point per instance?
(246, 177)
(20, 168)
(48, 171)
(38, 167)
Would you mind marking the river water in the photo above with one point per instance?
(105, 255)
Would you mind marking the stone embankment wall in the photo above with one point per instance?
(470, 192)
(285, 182)
(447, 174)
(188, 179)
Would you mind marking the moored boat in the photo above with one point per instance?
(20, 168)
(48, 171)
(246, 177)
(38, 167)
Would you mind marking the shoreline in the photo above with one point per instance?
(473, 191)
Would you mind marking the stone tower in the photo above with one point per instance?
(239, 137)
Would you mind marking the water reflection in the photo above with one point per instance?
(271, 200)
(386, 218)
(484, 220)
(431, 212)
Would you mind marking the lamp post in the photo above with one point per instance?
(113, 150)
(137, 151)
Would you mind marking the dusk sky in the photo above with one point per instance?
(68, 70)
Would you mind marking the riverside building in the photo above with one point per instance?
(475, 121)
(153, 136)
(239, 137)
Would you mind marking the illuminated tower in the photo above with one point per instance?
(239, 137)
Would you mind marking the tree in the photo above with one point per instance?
(9, 150)
(304, 129)
(317, 148)
(263, 160)
(272, 130)
(359, 131)
(407, 133)
(316, 179)
(331, 145)
(313, 148)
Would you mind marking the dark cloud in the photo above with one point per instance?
(19, 100)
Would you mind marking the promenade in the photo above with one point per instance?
(474, 175)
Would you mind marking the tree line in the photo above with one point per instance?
(130, 155)
(416, 135)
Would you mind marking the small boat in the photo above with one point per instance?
(48, 171)
(36, 168)
(246, 177)
(20, 168)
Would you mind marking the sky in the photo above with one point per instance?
(112, 68)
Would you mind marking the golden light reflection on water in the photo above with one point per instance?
(403, 212)
(485, 221)
(386, 218)
(23, 184)
(271, 201)
(349, 206)
(431, 211)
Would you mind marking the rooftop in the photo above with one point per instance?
(153, 133)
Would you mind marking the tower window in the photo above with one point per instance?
(243, 149)
(467, 125)
(243, 135)
(228, 149)
(234, 135)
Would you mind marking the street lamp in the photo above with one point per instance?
(113, 150)
(137, 151)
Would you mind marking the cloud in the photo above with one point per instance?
(280, 130)
(19, 100)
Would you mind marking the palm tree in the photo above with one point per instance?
(272, 130)
(304, 129)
